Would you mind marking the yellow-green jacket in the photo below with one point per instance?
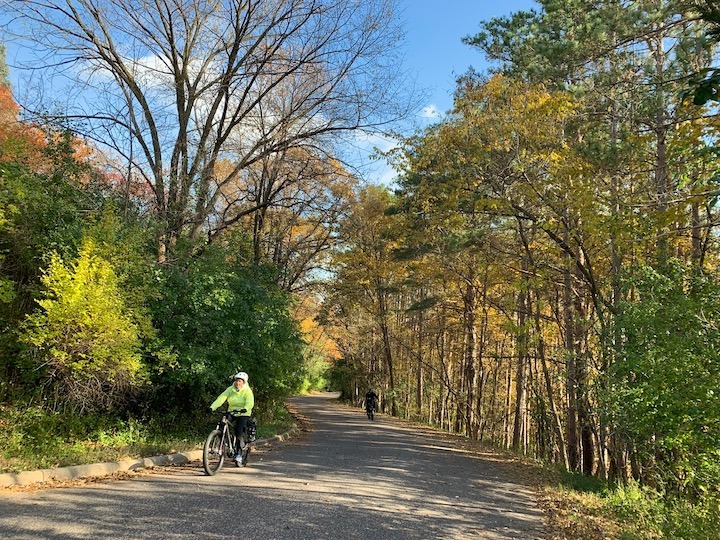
(236, 400)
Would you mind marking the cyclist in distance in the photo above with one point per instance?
(371, 400)
(240, 401)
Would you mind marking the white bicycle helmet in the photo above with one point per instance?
(241, 375)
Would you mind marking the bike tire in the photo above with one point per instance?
(213, 453)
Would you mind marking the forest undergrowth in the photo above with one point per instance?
(580, 508)
(34, 439)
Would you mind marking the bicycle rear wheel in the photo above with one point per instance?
(213, 453)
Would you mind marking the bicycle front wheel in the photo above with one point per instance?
(213, 453)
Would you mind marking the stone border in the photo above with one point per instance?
(26, 478)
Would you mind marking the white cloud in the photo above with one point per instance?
(430, 112)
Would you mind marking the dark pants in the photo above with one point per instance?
(240, 424)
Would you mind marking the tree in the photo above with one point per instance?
(367, 279)
(53, 196)
(662, 391)
(705, 84)
(221, 315)
(483, 180)
(4, 71)
(645, 155)
(177, 86)
(292, 202)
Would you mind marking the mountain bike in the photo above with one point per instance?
(223, 443)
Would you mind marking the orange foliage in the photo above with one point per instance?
(19, 143)
(8, 108)
(25, 144)
(315, 335)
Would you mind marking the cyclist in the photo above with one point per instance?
(371, 400)
(239, 398)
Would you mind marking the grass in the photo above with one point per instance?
(583, 508)
(34, 439)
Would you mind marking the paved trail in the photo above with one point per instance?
(350, 478)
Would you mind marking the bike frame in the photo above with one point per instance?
(228, 435)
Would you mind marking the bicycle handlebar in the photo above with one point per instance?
(230, 413)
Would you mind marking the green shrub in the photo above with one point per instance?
(219, 316)
(646, 513)
(83, 335)
(662, 387)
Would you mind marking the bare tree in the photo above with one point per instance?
(196, 82)
(297, 232)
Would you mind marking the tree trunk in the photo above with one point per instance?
(698, 251)
(470, 330)
(508, 406)
(387, 350)
(419, 374)
(557, 422)
(662, 181)
(520, 384)
(573, 451)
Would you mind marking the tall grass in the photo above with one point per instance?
(31, 438)
(648, 514)
(639, 512)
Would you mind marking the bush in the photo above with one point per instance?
(646, 513)
(220, 316)
(34, 438)
(662, 388)
(83, 335)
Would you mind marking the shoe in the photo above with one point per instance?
(238, 458)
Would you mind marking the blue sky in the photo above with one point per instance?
(434, 31)
(434, 52)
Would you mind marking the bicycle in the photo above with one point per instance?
(222, 442)
(370, 410)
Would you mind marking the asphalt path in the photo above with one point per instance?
(348, 478)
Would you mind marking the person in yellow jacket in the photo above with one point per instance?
(240, 402)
